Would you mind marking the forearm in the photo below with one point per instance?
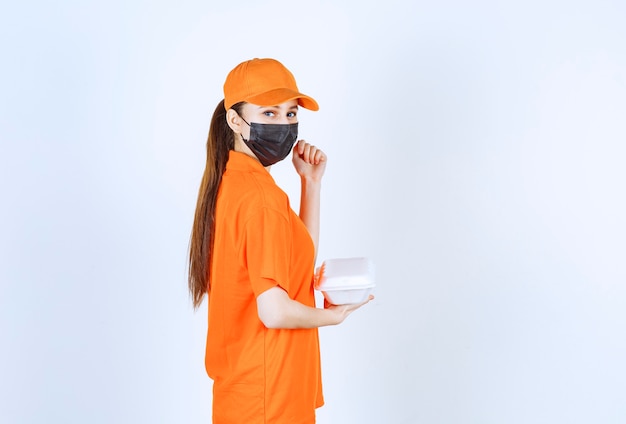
(277, 310)
(310, 207)
(296, 315)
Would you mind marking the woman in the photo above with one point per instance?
(254, 256)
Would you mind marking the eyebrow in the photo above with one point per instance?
(294, 107)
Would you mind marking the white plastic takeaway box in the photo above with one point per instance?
(346, 280)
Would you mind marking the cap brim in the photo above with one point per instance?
(281, 95)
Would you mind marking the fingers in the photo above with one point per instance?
(358, 305)
(309, 153)
(350, 306)
(345, 310)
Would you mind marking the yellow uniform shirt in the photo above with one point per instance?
(260, 375)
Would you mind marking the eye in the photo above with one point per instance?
(269, 113)
(291, 114)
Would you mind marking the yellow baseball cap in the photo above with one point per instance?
(263, 82)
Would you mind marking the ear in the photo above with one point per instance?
(234, 121)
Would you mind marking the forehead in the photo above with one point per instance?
(288, 105)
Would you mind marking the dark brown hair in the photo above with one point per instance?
(219, 143)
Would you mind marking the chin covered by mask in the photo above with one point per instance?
(271, 143)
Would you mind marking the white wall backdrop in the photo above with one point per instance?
(477, 155)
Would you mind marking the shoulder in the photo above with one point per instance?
(254, 191)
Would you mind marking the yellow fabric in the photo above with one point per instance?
(260, 375)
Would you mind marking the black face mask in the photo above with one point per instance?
(271, 143)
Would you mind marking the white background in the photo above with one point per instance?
(476, 154)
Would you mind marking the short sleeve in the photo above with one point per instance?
(267, 250)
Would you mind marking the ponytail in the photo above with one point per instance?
(219, 143)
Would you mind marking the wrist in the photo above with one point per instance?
(309, 180)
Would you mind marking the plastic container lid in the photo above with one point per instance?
(345, 273)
